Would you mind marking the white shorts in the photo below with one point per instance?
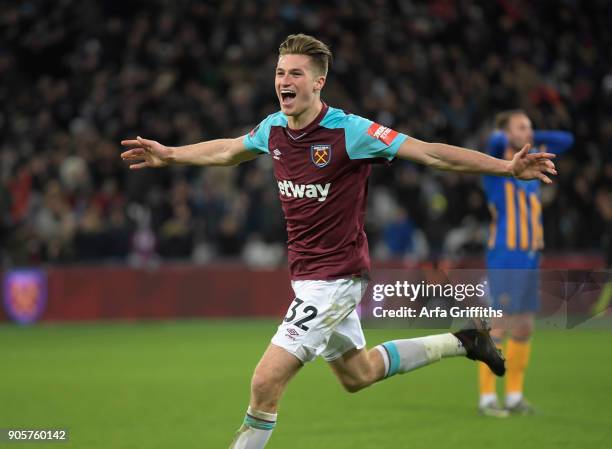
(322, 319)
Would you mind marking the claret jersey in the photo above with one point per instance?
(322, 176)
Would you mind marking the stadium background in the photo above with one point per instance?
(79, 76)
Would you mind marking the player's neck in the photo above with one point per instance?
(304, 119)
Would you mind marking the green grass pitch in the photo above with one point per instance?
(185, 385)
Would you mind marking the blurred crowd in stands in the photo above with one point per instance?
(77, 76)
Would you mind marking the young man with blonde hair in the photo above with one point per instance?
(322, 158)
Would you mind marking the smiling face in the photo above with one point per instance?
(298, 84)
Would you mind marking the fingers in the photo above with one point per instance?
(548, 167)
(136, 153)
(139, 165)
(524, 150)
(137, 150)
(139, 142)
(145, 142)
(539, 156)
(543, 165)
(545, 179)
(130, 143)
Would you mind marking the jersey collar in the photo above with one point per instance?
(296, 134)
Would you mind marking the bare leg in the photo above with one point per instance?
(360, 368)
(271, 376)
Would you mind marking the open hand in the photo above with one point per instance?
(144, 153)
(527, 166)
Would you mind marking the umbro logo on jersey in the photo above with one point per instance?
(382, 133)
(320, 154)
(318, 191)
(276, 154)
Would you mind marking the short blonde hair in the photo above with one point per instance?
(303, 44)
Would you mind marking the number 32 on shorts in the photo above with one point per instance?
(305, 314)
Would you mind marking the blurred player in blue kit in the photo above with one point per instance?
(516, 239)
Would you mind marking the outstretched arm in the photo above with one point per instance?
(524, 165)
(143, 153)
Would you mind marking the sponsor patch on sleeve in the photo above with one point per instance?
(254, 130)
(382, 133)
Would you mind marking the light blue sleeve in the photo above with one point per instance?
(368, 140)
(257, 139)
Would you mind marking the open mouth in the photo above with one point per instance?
(287, 97)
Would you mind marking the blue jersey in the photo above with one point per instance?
(516, 234)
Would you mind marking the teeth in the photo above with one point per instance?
(287, 91)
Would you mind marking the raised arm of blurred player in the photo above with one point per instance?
(551, 141)
(524, 165)
(143, 153)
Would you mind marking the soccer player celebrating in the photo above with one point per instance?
(515, 240)
(322, 158)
